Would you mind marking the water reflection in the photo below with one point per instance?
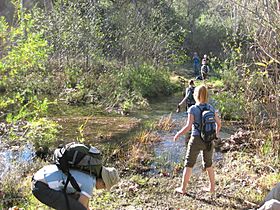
(167, 153)
(11, 157)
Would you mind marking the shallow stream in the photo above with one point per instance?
(14, 156)
(167, 154)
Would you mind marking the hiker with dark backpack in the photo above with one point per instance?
(204, 69)
(205, 125)
(68, 183)
(188, 98)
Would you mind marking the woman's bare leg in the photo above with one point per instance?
(185, 180)
(211, 175)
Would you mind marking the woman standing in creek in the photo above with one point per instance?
(196, 144)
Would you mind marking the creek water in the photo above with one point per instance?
(14, 156)
(167, 153)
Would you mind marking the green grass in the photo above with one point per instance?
(216, 82)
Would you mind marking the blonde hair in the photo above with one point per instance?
(201, 94)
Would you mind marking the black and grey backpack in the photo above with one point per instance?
(80, 157)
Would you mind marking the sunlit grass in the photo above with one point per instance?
(216, 82)
(247, 176)
(138, 155)
(16, 187)
(139, 179)
(270, 180)
(271, 146)
(166, 123)
(147, 137)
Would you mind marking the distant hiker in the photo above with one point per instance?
(272, 200)
(196, 64)
(201, 118)
(205, 57)
(189, 98)
(204, 70)
(49, 181)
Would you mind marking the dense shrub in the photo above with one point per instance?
(149, 81)
(42, 133)
(230, 105)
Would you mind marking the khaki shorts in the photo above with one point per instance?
(195, 145)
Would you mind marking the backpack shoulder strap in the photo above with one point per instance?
(196, 125)
(199, 109)
(73, 182)
(192, 90)
(188, 92)
(207, 107)
(210, 108)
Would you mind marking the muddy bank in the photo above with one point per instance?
(95, 129)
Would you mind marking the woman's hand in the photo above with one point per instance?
(176, 137)
(218, 135)
(186, 128)
(84, 201)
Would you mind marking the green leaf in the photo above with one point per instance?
(270, 62)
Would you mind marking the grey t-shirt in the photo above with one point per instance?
(195, 111)
(274, 193)
(55, 179)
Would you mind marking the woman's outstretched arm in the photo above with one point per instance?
(186, 128)
(218, 124)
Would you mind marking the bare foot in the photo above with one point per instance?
(178, 109)
(207, 189)
(179, 191)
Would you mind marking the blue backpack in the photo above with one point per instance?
(208, 125)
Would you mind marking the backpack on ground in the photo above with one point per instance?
(207, 125)
(80, 157)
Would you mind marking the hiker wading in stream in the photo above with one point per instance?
(198, 140)
(188, 98)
